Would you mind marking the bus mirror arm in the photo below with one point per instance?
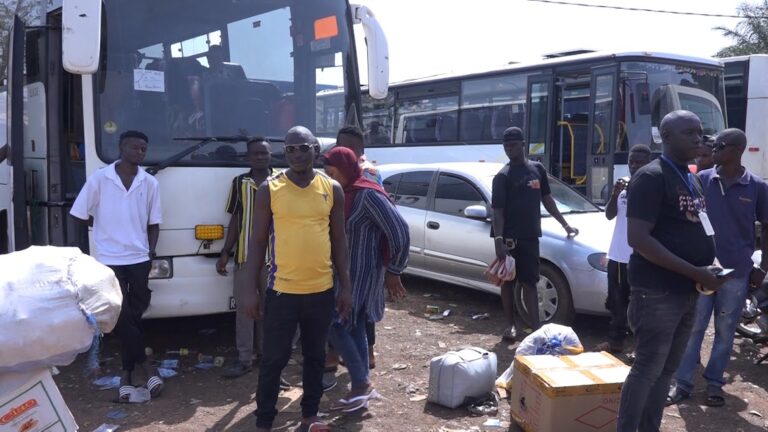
(378, 51)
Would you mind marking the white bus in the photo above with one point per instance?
(746, 93)
(93, 69)
(580, 113)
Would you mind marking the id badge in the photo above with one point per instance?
(706, 223)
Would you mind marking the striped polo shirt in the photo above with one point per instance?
(300, 240)
(242, 195)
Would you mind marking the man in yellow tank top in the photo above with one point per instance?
(299, 219)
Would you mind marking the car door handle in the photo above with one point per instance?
(433, 225)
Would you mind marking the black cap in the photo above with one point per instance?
(513, 134)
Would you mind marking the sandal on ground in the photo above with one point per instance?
(485, 406)
(373, 394)
(715, 397)
(314, 427)
(354, 406)
(676, 396)
(124, 393)
(155, 385)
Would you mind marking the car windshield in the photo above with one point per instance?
(189, 68)
(567, 199)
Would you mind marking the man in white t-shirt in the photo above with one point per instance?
(122, 204)
(619, 252)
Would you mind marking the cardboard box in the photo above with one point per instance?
(34, 406)
(577, 393)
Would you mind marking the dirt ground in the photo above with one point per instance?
(200, 400)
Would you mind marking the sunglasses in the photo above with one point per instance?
(291, 148)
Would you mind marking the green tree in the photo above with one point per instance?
(28, 10)
(750, 36)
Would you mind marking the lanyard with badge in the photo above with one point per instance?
(697, 203)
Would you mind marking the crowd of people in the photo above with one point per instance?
(316, 253)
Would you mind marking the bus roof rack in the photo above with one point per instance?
(568, 53)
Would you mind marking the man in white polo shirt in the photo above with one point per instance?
(122, 204)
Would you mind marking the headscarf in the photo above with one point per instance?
(345, 160)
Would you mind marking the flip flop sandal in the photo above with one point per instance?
(373, 394)
(362, 404)
(715, 401)
(331, 369)
(124, 393)
(155, 385)
(676, 396)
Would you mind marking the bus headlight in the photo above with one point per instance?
(599, 261)
(162, 268)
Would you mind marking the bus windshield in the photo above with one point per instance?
(175, 69)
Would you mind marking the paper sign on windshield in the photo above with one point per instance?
(149, 80)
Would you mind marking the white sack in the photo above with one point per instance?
(45, 295)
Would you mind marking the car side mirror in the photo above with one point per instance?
(476, 212)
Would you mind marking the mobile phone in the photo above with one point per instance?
(724, 272)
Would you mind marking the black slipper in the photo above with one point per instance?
(676, 396)
(714, 400)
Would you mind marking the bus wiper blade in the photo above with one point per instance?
(202, 141)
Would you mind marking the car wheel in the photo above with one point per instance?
(555, 302)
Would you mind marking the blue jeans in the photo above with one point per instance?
(661, 320)
(352, 344)
(727, 304)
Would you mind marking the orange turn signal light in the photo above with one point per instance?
(209, 232)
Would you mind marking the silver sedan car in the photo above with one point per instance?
(447, 209)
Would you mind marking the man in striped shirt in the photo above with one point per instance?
(240, 205)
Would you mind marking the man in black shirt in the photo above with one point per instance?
(668, 228)
(518, 191)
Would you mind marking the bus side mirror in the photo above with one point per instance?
(81, 36)
(378, 51)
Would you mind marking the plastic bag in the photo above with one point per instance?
(501, 271)
(552, 339)
(48, 295)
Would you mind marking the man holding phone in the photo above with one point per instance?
(736, 199)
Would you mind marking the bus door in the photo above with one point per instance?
(570, 141)
(52, 140)
(602, 133)
(540, 106)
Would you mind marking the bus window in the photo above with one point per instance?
(736, 73)
(490, 105)
(603, 110)
(378, 116)
(667, 86)
(538, 123)
(158, 75)
(427, 120)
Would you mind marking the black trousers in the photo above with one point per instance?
(617, 302)
(312, 313)
(134, 283)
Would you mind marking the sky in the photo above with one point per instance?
(428, 37)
